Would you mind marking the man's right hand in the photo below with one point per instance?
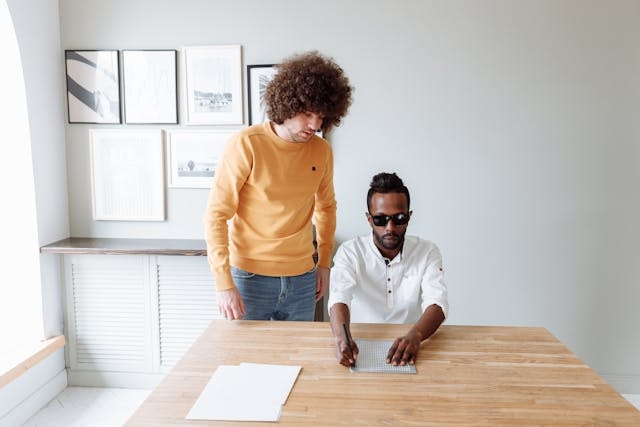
(230, 304)
(346, 356)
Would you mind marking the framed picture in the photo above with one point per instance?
(149, 81)
(213, 79)
(258, 76)
(127, 174)
(193, 156)
(93, 86)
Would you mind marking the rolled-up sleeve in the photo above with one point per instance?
(434, 290)
(343, 278)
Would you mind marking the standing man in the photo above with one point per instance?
(387, 277)
(275, 178)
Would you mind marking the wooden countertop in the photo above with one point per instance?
(466, 375)
(123, 246)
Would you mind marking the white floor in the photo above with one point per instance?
(112, 407)
(89, 407)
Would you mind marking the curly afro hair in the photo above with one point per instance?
(308, 82)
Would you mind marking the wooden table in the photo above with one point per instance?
(467, 375)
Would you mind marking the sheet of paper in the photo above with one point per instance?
(372, 357)
(279, 377)
(249, 392)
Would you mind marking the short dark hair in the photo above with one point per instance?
(308, 82)
(387, 183)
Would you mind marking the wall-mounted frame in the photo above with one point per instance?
(194, 155)
(258, 76)
(213, 80)
(150, 86)
(127, 174)
(93, 86)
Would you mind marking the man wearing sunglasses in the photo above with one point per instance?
(387, 277)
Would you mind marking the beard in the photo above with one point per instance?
(389, 241)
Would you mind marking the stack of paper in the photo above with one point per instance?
(247, 392)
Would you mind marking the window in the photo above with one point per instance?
(20, 289)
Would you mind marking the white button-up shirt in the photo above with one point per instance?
(378, 290)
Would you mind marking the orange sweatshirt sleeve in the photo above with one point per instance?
(222, 205)
(325, 215)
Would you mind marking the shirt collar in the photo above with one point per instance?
(378, 255)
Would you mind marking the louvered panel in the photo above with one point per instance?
(186, 302)
(109, 312)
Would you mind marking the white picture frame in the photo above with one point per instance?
(193, 156)
(150, 86)
(213, 84)
(127, 174)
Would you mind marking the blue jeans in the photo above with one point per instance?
(277, 298)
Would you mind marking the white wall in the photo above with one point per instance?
(37, 29)
(36, 25)
(515, 125)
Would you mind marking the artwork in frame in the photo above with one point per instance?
(194, 155)
(93, 86)
(127, 174)
(213, 80)
(258, 76)
(150, 91)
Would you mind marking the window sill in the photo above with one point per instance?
(20, 360)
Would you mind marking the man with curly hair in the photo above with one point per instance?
(273, 180)
(387, 277)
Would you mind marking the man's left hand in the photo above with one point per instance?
(404, 349)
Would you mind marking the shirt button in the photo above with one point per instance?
(389, 291)
(388, 279)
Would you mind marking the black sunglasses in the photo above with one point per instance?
(397, 219)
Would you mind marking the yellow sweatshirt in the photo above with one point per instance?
(271, 190)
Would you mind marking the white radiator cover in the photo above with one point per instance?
(110, 316)
(131, 316)
(186, 305)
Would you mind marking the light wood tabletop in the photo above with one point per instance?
(466, 375)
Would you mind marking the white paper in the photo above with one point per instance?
(280, 378)
(249, 392)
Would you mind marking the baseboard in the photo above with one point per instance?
(36, 401)
(624, 384)
(114, 379)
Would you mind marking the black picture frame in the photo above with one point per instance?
(258, 76)
(150, 86)
(93, 86)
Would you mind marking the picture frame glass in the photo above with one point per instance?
(127, 174)
(213, 80)
(150, 87)
(93, 86)
(258, 77)
(193, 156)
